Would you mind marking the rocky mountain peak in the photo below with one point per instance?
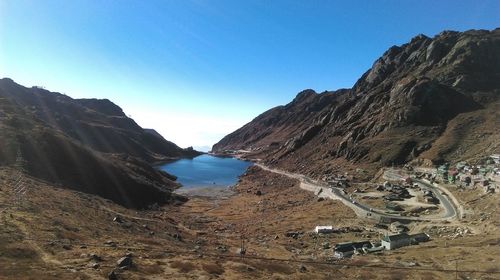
(418, 100)
(301, 96)
(450, 57)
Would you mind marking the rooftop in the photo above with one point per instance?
(420, 236)
(396, 237)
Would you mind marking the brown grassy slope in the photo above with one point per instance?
(469, 136)
(52, 232)
(42, 238)
(41, 126)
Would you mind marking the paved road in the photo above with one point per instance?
(449, 207)
(362, 210)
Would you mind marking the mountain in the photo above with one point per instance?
(431, 99)
(205, 149)
(88, 145)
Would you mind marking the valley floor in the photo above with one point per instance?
(49, 233)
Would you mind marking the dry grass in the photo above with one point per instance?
(183, 266)
(19, 252)
(288, 208)
(150, 269)
(213, 268)
(276, 267)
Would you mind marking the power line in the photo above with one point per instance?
(255, 257)
(19, 186)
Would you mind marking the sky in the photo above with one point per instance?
(197, 70)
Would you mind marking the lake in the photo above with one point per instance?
(206, 171)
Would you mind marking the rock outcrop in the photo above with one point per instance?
(432, 98)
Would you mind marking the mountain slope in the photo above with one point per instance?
(432, 98)
(276, 125)
(99, 124)
(87, 145)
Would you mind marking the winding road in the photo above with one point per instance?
(364, 211)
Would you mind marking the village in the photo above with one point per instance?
(279, 224)
(410, 195)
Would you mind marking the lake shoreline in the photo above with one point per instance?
(214, 193)
(161, 162)
(199, 174)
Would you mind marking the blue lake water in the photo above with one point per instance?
(206, 170)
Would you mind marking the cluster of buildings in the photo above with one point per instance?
(339, 181)
(397, 192)
(388, 242)
(466, 175)
(430, 197)
(347, 249)
(486, 175)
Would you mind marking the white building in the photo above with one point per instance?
(323, 229)
(391, 242)
(496, 158)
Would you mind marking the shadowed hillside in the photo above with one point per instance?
(87, 145)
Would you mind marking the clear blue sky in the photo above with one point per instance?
(196, 70)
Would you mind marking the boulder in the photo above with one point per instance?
(124, 262)
(112, 275)
(110, 243)
(177, 236)
(222, 248)
(94, 265)
(302, 268)
(95, 257)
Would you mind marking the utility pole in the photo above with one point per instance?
(316, 254)
(242, 247)
(19, 186)
(264, 202)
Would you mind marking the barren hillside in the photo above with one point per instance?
(432, 98)
(87, 145)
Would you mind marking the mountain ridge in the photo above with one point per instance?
(88, 145)
(397, 112)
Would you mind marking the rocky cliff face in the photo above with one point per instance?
(432, 98)
(88, 145)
